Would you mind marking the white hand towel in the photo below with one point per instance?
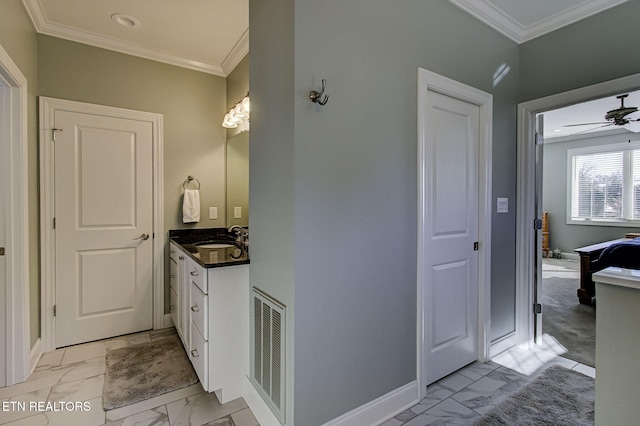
(191, 206)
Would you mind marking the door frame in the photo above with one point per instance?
(15, 169)
(48, 106)
(428, 80)
(525, 235)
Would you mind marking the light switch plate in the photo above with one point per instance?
(213, 212)
(503, 205)
(237, 212)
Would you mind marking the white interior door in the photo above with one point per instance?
(104, 225)
(451, 233)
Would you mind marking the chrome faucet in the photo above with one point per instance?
(240, 234)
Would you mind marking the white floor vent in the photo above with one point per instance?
(268, 350)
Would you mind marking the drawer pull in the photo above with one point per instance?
(194, 273)
(194, 353)
(171, 276)
(195, 308)
(181, 257)
(173, 308)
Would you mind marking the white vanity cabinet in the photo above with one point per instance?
(176, 280)
(216, 331)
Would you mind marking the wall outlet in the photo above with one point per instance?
(213, 212)
(237, 212)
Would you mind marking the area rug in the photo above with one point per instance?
(557, 397)
(573, 325)
(142, 371)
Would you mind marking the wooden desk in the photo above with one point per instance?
(587, 255)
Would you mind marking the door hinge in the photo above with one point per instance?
(54, 223)
(53, 133)
(539, 139)
(475, 246)
(537, 308)
(55, 310)
(537, 224)
(1, 251)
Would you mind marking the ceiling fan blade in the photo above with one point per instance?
(593, 128)
(587, 124)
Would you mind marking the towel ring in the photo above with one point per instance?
(188, 180)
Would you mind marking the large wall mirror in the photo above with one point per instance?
(238, 179)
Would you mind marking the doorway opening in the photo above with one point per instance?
(14, 270)
(529, 233)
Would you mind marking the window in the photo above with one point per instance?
(605, 185)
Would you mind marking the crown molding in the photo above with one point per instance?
(505, 24)
(43, 26)
(239, 51)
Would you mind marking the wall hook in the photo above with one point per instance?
(315, 96)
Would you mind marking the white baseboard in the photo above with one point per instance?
(258, 406)
(382, 409)
(503, 344)
(34, 357)
(167, 321)
(572, 256)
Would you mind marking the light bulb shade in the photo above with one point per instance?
(233, 118)
(246, 104)
(237, 115)
(239, 112)
(228, 122)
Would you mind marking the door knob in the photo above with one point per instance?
(143, 237)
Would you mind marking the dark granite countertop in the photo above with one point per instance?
(210, 257)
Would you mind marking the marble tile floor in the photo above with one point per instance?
(76, 375)
(464, 396)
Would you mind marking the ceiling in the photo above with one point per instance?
(589, 112)
(212, 36)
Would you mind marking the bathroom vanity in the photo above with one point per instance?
(617, 346)
(209, 293)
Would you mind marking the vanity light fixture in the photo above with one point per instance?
(238, 114)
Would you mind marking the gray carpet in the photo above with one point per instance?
(140, 372)
(557, 397)
(563, 317)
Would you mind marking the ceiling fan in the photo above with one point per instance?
(615, 117)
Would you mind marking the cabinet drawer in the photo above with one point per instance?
(198, 310)
(198, 276)
(198, 354)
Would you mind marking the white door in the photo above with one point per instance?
(103, 226)
(451, 233)
(4, 143)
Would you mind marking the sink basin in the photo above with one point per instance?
(214, 245)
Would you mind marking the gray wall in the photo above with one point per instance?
(272, 181)
(590, 51)
(568, 237)
(19, 39)
(339, 182)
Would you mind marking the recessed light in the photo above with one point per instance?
(125, 20)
